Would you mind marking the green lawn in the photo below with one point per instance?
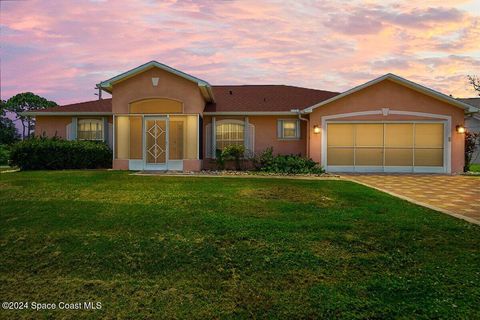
(475, 167)
(185, 247)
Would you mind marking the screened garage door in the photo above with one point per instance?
(386, 147)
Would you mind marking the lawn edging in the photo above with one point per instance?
(237, 174)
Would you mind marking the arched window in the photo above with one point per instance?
(229, 132)
(90, 129)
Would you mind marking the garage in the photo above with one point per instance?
(386, 147)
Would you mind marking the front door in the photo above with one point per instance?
(156, 143)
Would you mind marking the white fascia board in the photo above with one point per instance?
(33, 113)
(407, 83)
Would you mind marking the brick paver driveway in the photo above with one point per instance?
(456, 195)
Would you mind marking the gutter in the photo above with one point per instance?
(307, 134)
(250, 113)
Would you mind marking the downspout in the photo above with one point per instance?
(307, 133)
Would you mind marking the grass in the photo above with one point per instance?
(185, 247)
(475, 167)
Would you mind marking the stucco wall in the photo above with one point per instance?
(52, 125)
(266, 134)
(169, 86)
(388, 94)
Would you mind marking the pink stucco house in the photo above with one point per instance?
(160, 118)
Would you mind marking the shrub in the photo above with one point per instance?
(54, 153)
(230, 153)
(219, 159)
(289, 164)
(472, 143)
(4, 154)
(234, 152)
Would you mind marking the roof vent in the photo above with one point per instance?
(231, 92)
(264, 99)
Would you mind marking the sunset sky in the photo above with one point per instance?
(61, 49)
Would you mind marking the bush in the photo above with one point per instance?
(54, 154)
(230, 153)
(4, 154)
(289, 164)
(233, 152)
(472, 143)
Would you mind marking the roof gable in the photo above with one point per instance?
(404, 82)
(204, 86)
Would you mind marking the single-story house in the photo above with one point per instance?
(472, 123)
(160, 118)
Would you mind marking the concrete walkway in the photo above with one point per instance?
(458, 196)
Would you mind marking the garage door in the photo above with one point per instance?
(386, 147)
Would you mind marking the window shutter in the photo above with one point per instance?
(208, 141)
(106, 133)
(279, 129)
(73, 129)
(110, 136)
(298, 129)
(251, 138)
(68, 130)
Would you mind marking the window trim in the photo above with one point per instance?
(102, 128)
(281, 129)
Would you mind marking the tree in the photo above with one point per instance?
(8, 132)
(475, 82)
(23, 102)
(472, 141)
(2, 108)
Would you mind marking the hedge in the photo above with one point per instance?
(56, 154)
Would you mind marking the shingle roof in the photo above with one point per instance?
(247, 98)
(101, 106)
(264, 98)
(471, 101)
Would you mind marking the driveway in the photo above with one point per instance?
(458, 196)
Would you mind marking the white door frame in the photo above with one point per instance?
(147, 166)
(447, 152)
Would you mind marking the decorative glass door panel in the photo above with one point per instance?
(156, 141)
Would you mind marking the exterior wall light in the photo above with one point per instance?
(460, 128)
(316, 129)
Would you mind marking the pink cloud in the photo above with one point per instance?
(61, 49)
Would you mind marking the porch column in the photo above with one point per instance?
(246, 136)
(214, 139)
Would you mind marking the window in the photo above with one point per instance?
(90, 129)
(288, 129)
(229, 133)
